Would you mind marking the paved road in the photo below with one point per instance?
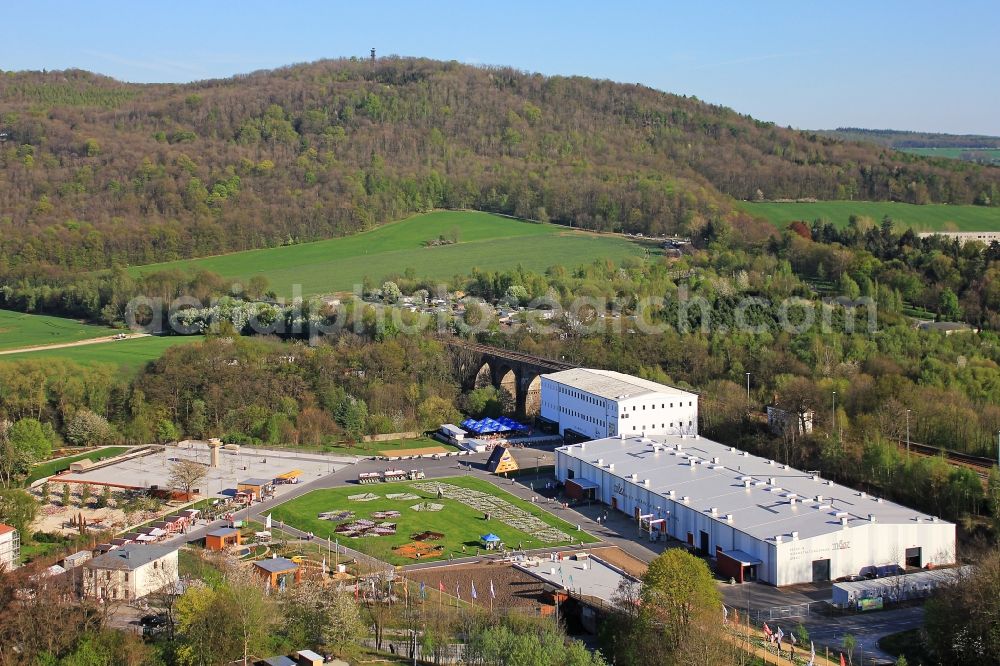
(77, 343)
(866, 628)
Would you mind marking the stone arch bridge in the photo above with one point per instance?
(517, 374)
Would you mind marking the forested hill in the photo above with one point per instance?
(95, 172)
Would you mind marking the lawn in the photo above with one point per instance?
(18, 329)
(932, 217)
(381, 448)
(986, 154)
(460, 523)
(53, 466)
(487, 242)
(129, 355)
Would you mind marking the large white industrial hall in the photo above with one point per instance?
(761, 520)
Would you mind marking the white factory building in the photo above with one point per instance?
(591, 404)
(759, 519)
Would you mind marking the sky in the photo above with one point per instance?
(913, 65)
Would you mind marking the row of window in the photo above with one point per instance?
(585, 417)
(680, 424)
(663, 405)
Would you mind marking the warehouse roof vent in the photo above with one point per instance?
(729, 517)
(600, 462)
(819, 498)
(746, 483)
(686, 499)
(645, 482)
(777, 538)
(634, 476)
(795, 536)
(715, 460)
(862, 495)
(611, 466)
(715, 511)
(671, 493)
(871, 517)
(843, 521)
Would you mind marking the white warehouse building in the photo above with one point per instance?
(761, 520)
(592, 404)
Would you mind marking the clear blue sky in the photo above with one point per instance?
(879, 63)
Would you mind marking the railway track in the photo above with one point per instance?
(510, 354)
(979, 464)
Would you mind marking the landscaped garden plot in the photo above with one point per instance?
(450, 525)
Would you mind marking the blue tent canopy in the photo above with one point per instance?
(489, 538)
(488, 425)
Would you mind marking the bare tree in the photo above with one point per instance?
(186, 474)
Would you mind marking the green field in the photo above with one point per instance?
(129, 355)
(488, 242)
(991, 155)
(460, 523)
(53, 466)
(380, 448)
(18, 329)
(932, 217)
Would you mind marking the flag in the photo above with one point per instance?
(812, 654)
(767, 630)
(323, 570)
(781, 634)
(842, 661)
(458, 591)
(474, 597)
(493, 594)
(267, 522)
(441, 585)
(423, 591)
(725, 615)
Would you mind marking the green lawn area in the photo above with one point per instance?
(488, 242)
(18, 329)
(989, 154)
(460, 523)
(932, 217)
(379, 448)
(129, 355)
(53, 466)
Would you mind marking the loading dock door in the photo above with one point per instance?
(913, 558)
(704, 542)
(821, 571)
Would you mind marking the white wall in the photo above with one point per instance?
(7, 550)
(865, 544)
(786, 563)
(596, 417)
(115, 584)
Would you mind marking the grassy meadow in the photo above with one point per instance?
(129, 355)
(987, 154)
(488, 242)
(931, 217)
(18, 329)
(52, 466)
(460, 524)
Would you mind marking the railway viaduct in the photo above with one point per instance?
(518, 374)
